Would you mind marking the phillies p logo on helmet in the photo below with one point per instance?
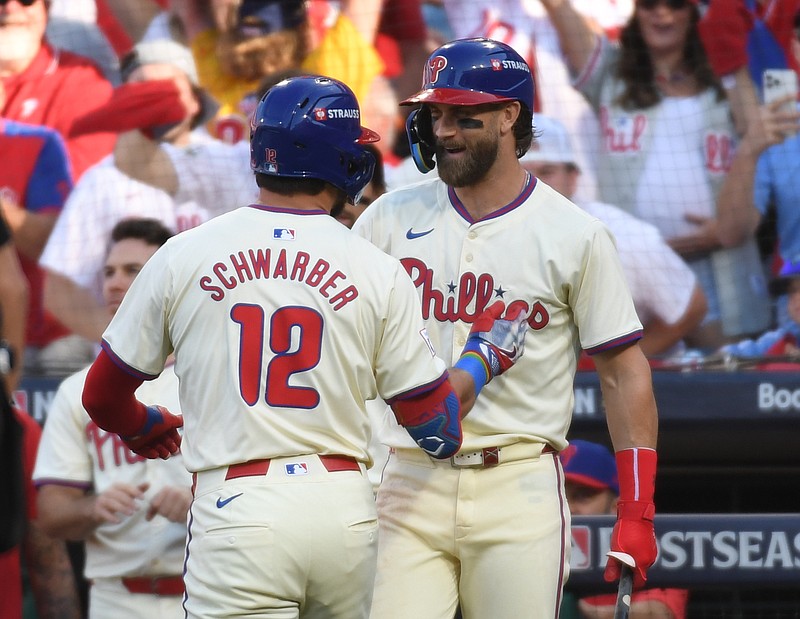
(435, 66)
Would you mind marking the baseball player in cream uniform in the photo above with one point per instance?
(130, 511)
(283, 323)
(489, 528)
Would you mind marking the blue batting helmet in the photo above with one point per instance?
(465, 72)
(475, 71)
(310, 127)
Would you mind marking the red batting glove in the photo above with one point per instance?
(633, 534)
(159, 436)
(138, 105)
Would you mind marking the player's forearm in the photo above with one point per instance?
(51, 576)
(627, 389)
(464, 386)
(75, 307)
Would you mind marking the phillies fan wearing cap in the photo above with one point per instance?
(592, 486)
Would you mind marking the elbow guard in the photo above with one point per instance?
(433, 420)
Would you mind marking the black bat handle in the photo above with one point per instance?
(623, 606)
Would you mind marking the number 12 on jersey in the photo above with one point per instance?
(294, 339)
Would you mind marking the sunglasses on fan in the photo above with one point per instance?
(22, 2)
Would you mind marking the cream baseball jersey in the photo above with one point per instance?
(540, 250)
(75, 452)
(283, 323)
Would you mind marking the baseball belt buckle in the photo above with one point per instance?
(480, 459)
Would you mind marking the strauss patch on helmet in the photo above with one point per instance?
(322, 114)
(499, 65)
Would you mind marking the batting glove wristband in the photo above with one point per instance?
(159, 437)
(494, 344)
(633, 539)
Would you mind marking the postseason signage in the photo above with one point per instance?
(699, 550)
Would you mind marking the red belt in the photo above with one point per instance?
(158, 585)
(260, 467)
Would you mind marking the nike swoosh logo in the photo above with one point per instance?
(511, 353)
(223, 502)
(415, 235)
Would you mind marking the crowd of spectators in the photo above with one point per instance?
(649, 115)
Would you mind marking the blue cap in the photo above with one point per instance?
(590, 464)
(789, 271)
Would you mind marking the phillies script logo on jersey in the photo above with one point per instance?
(112, 445)
(477, 291)
(622, 134)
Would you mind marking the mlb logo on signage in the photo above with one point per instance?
(581, 558)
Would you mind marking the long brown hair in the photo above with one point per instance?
(636, 71)
(252, 58)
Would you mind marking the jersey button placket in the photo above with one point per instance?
(461, 329)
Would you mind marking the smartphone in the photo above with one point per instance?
(778, 83)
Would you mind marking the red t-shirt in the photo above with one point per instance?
(11, 598)
(53, 91)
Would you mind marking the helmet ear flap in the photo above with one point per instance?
(419, 129)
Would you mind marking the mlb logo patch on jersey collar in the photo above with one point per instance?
(283, 234)
(296, 468)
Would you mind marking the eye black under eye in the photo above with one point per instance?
(469, 123)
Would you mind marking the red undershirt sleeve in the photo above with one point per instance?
(108, 397)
